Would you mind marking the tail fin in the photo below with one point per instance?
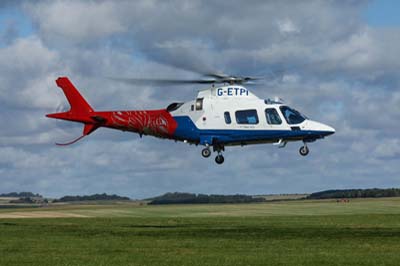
(78, 104)
(80, 110)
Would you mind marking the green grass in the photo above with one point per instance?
(362, 232)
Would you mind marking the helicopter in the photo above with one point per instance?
(225, 114)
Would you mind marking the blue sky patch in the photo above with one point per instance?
(383, 13)
(13, 24)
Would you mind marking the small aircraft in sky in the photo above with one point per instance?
(220, 116)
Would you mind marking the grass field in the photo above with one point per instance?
(362, 232)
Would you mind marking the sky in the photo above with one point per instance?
(337, 62)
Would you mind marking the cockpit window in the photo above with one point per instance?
(291, 115)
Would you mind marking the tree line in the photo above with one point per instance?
(20, 195)
(191, 198)
(355, 193)
(103, 196)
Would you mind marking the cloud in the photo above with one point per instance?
(25, 64)
(321, 57)
(286, 26)
(78, 21)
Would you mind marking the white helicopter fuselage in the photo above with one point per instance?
(232, 115)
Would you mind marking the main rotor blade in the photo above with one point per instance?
(163, 81)
(216, 75)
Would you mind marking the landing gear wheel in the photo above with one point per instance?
(219, 159)
(206, 152)
(304, 150)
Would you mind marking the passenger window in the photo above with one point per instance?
(192, 107)
(227, 117)
(246, 117)
(272, 116)
(199, 104)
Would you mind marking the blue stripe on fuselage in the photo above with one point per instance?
(187, 130)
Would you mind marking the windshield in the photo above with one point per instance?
(292, 116)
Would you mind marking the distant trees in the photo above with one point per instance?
(190, 198)
(103, 196)
(356, 193)
(20, 195)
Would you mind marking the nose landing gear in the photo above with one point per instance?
(304, 150)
